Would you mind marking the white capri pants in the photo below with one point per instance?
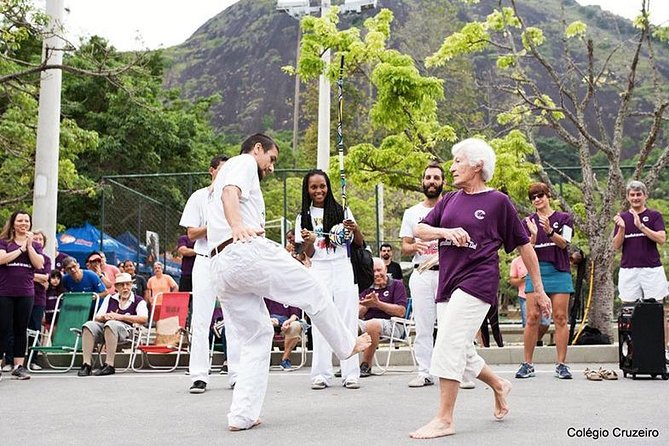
(243, 274)
(337, 277)
(454, 355)
(423, 288)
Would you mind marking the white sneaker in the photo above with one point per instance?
(421, 381)
(7, 368)
(36, 367)
(467, 385)
(352, 383)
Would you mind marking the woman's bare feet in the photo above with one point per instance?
(239, 429)
(501, 405)
(434, 429)
(361, 344)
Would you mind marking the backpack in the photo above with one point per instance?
(363, 266)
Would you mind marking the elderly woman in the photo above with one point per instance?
(471, 225)
(550, 233)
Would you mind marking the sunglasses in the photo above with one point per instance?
(535, 196)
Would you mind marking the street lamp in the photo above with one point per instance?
(297, 9)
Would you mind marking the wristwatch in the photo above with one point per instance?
(551, 234)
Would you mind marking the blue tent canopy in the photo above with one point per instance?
(80, 242)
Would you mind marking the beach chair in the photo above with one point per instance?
(171, 336)
(395, 342)
(64, 336)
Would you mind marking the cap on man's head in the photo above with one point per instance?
(123, 278)
(95, 257)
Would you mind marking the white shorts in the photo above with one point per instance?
(642, 283)
(386, 327)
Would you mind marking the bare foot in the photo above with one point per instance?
(501, 405)
(361, 344)
(434, 429)
(239, 429)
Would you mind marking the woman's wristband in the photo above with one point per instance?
(551, 234)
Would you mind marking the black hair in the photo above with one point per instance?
(265, 141)
(433, 165)
(217, 160)
(60, 288)
(385, 245)
(333, 212)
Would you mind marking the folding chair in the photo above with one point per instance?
(63, 338)
(217, 343)
(170, 317)
(409, 329)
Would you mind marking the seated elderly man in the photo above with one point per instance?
(112, 324)
(386, 298)
(285, 321)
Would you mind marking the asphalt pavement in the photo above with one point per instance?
(156, 409)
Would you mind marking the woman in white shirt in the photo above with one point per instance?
(331, 265)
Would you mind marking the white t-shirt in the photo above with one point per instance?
(321, 251)
(240, 171)
(195, 216)
(410, 220)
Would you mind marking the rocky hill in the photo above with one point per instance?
(239, 53)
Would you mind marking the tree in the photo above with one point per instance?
(593, 100)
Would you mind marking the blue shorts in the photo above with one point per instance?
(554, 281)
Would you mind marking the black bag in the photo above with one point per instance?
(592, 336)
(363, 266)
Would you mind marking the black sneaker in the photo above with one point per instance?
(85, 370)
(365, 370)
(20, 372)
(104, 371)
(198, 387)
(337, 374)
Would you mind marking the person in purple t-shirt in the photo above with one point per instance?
(185, 248)
(550, 232)
(638, 231)
(386, 298)
(285, 320)
(471, 225)
(20, 257)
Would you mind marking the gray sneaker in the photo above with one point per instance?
(421, 381)
(20, 372)
(562, 371)
(319, 384)
(526, 370)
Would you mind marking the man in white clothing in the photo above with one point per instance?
(245, 266)
(194, 218)
(423, 285)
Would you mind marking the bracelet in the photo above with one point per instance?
(551, 234)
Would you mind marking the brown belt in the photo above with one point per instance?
(432, 268)
(220, 248)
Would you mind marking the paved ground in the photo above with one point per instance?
(155, 409)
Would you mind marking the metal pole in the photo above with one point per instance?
(296, 99)
(379, 215)
(102, 218)
(323, 159)
(285, 209)
(45, 192)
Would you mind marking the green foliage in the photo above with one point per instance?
(471, 39)
(575, 29)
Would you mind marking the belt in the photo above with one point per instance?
(220, 248)
(432, 268)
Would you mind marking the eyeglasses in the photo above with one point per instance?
(71, 268)
(535, 196)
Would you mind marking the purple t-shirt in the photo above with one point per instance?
(545, 247)
(393, 293)
(276, 308)
(638, 250)
(491, 221)
(40, 290)
(16, 277)
(187, 262)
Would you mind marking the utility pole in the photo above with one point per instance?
(45, 192)
(323, 157)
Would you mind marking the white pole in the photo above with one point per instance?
(45, 193)
(323, 159)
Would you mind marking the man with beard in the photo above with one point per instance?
(394, 268)
(423, 285)
(245, 267)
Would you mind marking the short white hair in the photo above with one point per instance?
(477, 151)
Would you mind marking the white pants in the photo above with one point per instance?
(459, 319)
(243, 274)
(337, 277)
(204, 299)
(423, 288)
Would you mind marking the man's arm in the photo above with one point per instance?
(185, 251)
(231, 197)
(197, 233)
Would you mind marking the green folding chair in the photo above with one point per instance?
(73, 310)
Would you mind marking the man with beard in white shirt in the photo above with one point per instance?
(245, 267)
